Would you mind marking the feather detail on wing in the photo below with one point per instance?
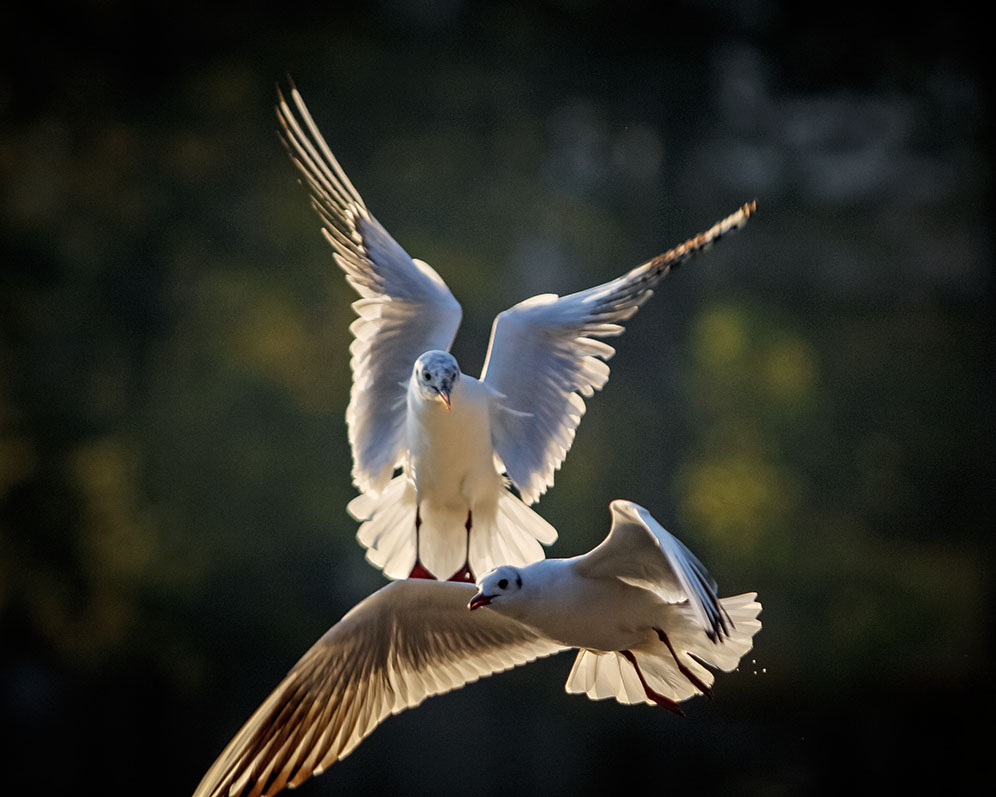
(404, 310)
(545, 357)
(406, 642)
(641, 552)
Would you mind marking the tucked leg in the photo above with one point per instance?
(464, 574)
(696, 681)
(419, 571)
(657, 697)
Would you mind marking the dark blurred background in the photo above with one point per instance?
(809, 406)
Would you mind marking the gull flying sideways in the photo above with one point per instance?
(460, 442)
(643, 611)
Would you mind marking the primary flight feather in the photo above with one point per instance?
(460, 442)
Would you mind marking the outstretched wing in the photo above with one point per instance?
(641, 552)
(404, 310)
(545, 358)
(406, 642)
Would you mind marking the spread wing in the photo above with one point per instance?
(641, 552)
(406, 642)
(545, 357)
(404, 309)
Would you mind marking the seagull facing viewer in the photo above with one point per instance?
(460, 442)
(643, 611)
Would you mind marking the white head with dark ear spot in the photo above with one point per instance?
(435, 375)
(499, 588)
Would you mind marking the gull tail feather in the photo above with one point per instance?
(602, 675)
(387, 527)
(514, 535)
(510, 533)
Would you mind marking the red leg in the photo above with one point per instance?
(696, 681)
(419, 571)
(657, 697)
(464, 574)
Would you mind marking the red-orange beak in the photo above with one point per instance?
(445, 396)
(479, 600)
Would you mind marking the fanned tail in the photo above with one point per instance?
(387, 530)
(509, 534)
(515, 535)
(602, 675)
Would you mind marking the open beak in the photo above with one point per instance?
(444, 394)
(479, 600)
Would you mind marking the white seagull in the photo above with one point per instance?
(642, 609)
(459, 441)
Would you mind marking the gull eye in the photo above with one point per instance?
(503, 584)
(426, 376)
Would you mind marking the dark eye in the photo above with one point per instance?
(426, 376)
(503, 584)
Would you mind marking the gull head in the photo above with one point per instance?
(435, 375)
(499, 586)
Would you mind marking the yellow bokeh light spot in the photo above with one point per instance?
(790, 370)
(720, 336)
(737, 499)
